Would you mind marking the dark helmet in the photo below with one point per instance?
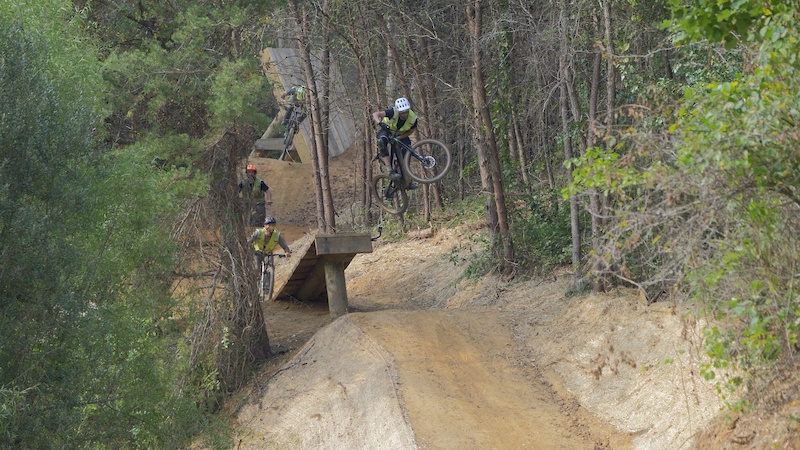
(269, 220)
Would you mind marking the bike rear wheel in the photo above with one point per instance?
(434, 163)
(389, 195)
(288, 139)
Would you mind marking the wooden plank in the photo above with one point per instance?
(313, 285)
(269, 144)
(338, 244)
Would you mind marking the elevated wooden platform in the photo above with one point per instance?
(320, 272)
(272, 148)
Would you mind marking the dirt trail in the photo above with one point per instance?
(462, 388)
(427, 359)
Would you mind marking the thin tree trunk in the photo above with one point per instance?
(548, 165)
(610, 90)
(325, 95)
(319, 153)
(565, 129)
(591, 141)
(484, 120)
(515, 142)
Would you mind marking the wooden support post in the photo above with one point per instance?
(335, 252)
(335, 283)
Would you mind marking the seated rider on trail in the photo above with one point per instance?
(265, 240)
(400, 121)
(297, 98)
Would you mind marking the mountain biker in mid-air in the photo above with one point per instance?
(400, 121)
(297, 96)
(265, 240)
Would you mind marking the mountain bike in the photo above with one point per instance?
(296, 116)
(426, 161)
(267, 281)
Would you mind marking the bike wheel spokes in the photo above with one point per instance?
(388, 195)
(288, 139)
(270, 282)
(262, 285)
(433, 163)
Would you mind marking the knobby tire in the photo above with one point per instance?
(397, 203)
(267, 283)
(428, 148)
(270, 282)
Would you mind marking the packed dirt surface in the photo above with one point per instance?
(429, 359)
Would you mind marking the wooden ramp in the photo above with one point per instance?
(272, 148)
(320, 272)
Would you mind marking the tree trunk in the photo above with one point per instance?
(325, 95)
(484, 120)
(565, 130)
(319, 153)
(610, 90)
(515, 142)
(591, 141)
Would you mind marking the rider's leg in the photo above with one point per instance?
(383, 140)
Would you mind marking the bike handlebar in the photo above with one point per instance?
(279, 255)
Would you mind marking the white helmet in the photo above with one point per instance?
(402, 105)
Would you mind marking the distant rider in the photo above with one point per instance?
(265, 240)
(251, 189)
(400, 121)
(297, 96)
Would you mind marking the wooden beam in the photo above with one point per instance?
(337, 244)
(335, 283)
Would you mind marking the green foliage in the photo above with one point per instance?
(232, 90)
(178, 73)
(85, 259)
(730, 21)
(601, 169)
(712, 208)
(542, 231)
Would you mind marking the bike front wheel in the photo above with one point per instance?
(267, 282)
(291, 130)
(389, 195)
(433, 162)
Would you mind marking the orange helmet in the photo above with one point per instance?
(251, 167)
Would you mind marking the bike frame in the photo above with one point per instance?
(267, 280)
(292, 128)
(396, 154)
(397, 151)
